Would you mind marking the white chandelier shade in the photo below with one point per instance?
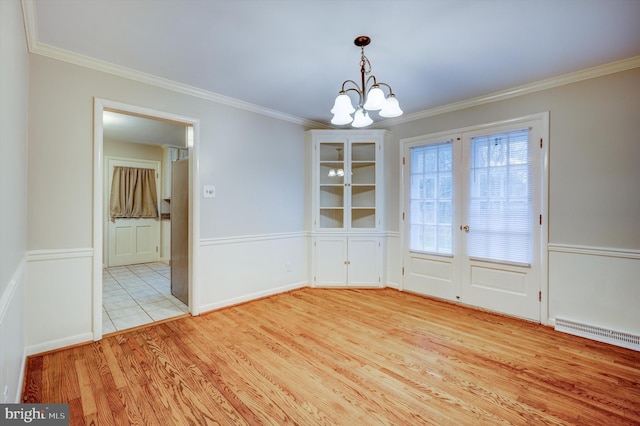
(391, 107)
(361, 118)
(373, 99)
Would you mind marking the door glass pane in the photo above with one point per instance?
(500, 198)
(431, 199)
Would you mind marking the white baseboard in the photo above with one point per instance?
(59, 343)
(393, 285)
(249, 297)
(23, 373)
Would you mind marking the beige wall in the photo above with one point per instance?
(594, 155)
(14, 80)
(255, 161)
(14, 71)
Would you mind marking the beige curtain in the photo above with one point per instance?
(133, 193)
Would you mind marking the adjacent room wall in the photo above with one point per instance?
(14, 72)
(594, 201)
(255, 162)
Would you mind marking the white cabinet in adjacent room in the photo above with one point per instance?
(347, 207)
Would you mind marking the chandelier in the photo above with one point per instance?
(370, 96)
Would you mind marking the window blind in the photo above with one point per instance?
(500, 198)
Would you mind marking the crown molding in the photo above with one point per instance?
(109, 68)
(561, 80)
(35, 47)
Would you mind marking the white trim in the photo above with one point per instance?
(128, 73)
(536, 86)
(9, 291)
(251, 238)
(23, 373)
(252, 296)
(595, 251)
(36, 47)
(58, 254)
(59, 343)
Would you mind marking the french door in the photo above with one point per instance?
(473, 204)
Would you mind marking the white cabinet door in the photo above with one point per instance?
(347, 261)
(330, 261)
(346, 179)
(364, 262)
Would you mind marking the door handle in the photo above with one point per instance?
(465, 228)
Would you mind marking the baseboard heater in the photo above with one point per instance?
(613, 337)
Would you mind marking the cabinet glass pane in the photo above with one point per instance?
(363, 173)
(363, 196)
(363, 151)
(363, 218)
(331, 218)
(331, 151)
(332, 173)
(331, 196)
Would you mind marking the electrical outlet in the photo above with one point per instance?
(287, 267)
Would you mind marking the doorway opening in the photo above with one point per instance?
(135, 279)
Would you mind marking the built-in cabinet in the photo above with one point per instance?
(347, 202)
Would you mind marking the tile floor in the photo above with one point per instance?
(134, 295)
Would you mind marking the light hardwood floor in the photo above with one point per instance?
(341, 357)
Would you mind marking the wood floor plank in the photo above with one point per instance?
(342, 357)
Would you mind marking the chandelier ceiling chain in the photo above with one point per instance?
(372, 99)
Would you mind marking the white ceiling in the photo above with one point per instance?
(291, 56)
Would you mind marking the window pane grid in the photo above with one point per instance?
(500, 198)
(431, 199)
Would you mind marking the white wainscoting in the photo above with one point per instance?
(237, 269)
(595, 286)
(12, 355)
(394, 260)
(59, 294)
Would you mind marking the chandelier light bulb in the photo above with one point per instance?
(391, 108)
(361, 119)
(375, 99)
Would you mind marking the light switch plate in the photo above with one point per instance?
(209, 191)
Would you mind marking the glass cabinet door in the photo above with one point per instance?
(363, 185)
(332, 185)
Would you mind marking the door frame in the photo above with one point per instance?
(99, 106)
(543, 117)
